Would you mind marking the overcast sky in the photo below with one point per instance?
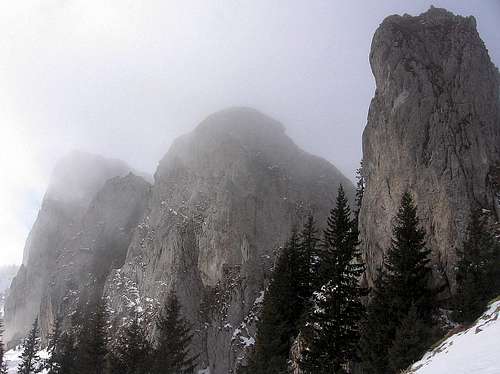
(123, 78)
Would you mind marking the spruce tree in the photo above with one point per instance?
(131, 351)
(478, 270)
(53, 347)
(3, 363)
(30, 361)
(172, 354)
(308, 261)
(66, 360)
(401, 285)
(360, 191)
(333, 324)
(277, 325)
(92, 341)
(411, 340)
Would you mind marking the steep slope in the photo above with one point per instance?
(225, 197)
(433, 129)
(473, 350)
(99, 246)
(75, 180)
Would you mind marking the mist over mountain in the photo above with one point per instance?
(245, 253)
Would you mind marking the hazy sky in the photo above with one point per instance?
(123, 78)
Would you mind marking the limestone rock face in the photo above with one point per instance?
(73, 184)
(433, 129)
(99, 246)
(225, 197)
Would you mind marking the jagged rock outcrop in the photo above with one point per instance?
(225, 197)
(75, 181)
(433, 129)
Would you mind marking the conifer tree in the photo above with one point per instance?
(172, 354)
(132, 350)
(66, 360)
(411, 340)
(308, 261)
(30, 361)
(3, 363)
(53, 347)
(333, 325)
(277, 326)
(360, 190)
(401, 285)
(478, 270)
(91, 342)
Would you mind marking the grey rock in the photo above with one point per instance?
(224, 199)
(74, 182)
(433, 129)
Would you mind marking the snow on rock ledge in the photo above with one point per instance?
(474, 350)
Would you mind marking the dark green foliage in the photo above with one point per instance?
(91, 341)
(174, 337)
(52, 364)
(403, 284)
(410, 342)
(360, 190)
(3, 364)
(333, 325)
(277, 326)
(307, 251)
(30, 361)
(132, 350)
(478, 271)
(66, 360)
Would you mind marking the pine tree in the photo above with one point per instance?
(308, 261)
(402, 284)
(174, 337)
(66, 360)
(277, 326)
(333, 325)
(30, 361)
(360, 190)
(410, 342)
(92, 342)
(54, 341)
(132, 350)
(3, 363)
(478, 270)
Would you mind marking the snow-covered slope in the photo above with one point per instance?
(474, 350)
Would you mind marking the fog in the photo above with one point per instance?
(123, 78)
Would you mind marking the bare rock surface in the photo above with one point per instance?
(433, 129)
(224, 199)
(74, 182)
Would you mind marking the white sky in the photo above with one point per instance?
(123, 78)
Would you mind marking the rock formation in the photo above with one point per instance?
(75, 181)
(433, 129)
(225, 197)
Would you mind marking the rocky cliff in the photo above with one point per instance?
(433, 129)
(74, 183)
(225, 197)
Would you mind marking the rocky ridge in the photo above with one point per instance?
(225, 197)
(433, 129)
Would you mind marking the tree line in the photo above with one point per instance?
(317, 318)
(87, 347)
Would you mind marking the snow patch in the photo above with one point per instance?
(474, 350)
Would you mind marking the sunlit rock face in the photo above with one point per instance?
(224, 198)
(433, 129)
(74, 183)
